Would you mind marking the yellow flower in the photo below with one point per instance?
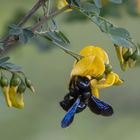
(15, 96)
(61, 4)
(95, 65)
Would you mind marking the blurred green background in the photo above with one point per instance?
(49, 71)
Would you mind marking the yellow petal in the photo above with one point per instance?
(104, 83)
(94, 50)
(124, 50)
(119, 54)
(61, 4)
(5, 91)
(16, 99)
(95, 92)
(118, 81)
(19, 100)
(12, 94)
(92, 66)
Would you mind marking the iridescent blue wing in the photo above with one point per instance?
(99, 107)
(68, 118)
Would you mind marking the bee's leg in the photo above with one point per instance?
(67, 102)
(71, 83)
(67, 97)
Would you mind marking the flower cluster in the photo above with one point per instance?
(13, 91)
(94, 64)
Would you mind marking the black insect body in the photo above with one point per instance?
(79, 97)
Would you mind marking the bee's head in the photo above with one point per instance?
(83, 83)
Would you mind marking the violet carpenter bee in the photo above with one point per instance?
(78, 98)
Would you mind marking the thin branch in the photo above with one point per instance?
(48, 7)
(31, 12)
(10, 40)
(46, 18)
(71, 53)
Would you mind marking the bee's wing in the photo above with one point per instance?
(68, 118)
(99, 107)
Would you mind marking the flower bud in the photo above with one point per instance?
(21, 88)
(4, 81)
(5, 89)
(108, 68)
(29, 85)
(133, 58)
(127, 55)
(99, 77)
(15, 80)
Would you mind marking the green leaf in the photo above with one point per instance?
(3, 60)
(102, 24)
(15, 30)
(57, 36)
(23, 38)
(76, 2)
(90, 8)
(63, 37)
(117, 31)
(119, 36)
(11, 67)
(116, 1)
(23, 34)
(28, 33)
(120, 41)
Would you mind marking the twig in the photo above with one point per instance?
(71, 53)
(46, 18)
(31, 12)
(10, 40)
(48, 7)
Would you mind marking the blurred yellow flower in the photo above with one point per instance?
(127, 57)
(138, 6)
(61, 4)
(104, 2)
